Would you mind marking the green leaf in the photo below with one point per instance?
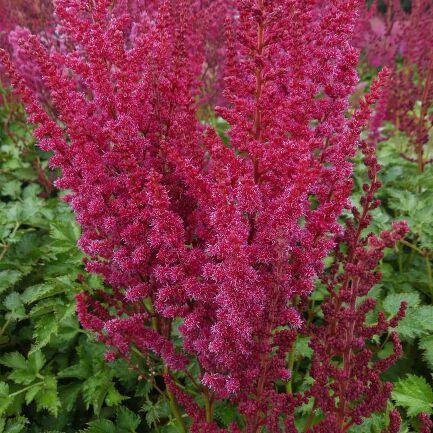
(375, 423)
(225, 412)
(426, 344)
(95, 389)
(31, 393)
(302, 349)
(24, 371)
(5, 400)
(114, 398)
(65, 236)
(23, 377)
(154, 411)
(68, 395)
(14, 360)
(392, 303)
(417, 322)
(8, 279)
(15, 306)
(127, 421)
(77, 371)
(46, 306)
(31, 190)
(31, 206)
(11, 189)
(414, 394)
(48, 397)
(424, 316)
(100, 426)
(36, 361)
(39, 291)
(15, 425)
(45, 327)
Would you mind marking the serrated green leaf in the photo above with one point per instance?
(78, 371)
(424, 316)
(45, 306)
(36, 361)
(154, 411)
(15, 425)
(302, 349)
(31, 206)
(15, 306)
(11, 189)
(414, 394)
(127, 421)
(426, 344)
(31, 393)
(31, 190)
(392, 302)
(14, 360)
(5, 400)
(45, 327)
(68, 395)
(65, 236)
(22, 377)
(409, 329)
(114, 398)
(95, 389)
(48, 397)
(38, 292)
(8, 279)
(100, 426)
(375, 423)
(225, 412)
(417, 323)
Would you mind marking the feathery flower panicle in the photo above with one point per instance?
(347, 385)
(289, 142)
(381, 34)
(391, 34)
(426, 423)
(289, 167)
(120, 108)
(394, 422)
(37, 15)
(18, 17)
(411, 93)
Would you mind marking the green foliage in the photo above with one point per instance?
(406, 194)
(53, 377)
(414, 394)
(125, 422)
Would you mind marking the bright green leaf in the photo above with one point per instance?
(414, 394)
(14, 360)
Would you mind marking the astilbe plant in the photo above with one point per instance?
(347, 385)
(33, 14)
(18, 16)
(226, 237)
(208, 18)
(381, 34)
(411, 95)
(403, 42)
